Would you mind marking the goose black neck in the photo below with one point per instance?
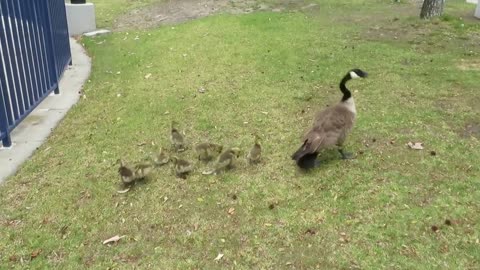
(346, 93)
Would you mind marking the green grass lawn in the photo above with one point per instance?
(266, 73)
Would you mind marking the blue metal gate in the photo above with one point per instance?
(34, 52)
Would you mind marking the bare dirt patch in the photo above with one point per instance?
(177, 11)
(471, 130)
(472, 64)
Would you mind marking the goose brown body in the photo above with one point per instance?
(330, 126)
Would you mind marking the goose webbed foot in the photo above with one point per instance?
(345, 155)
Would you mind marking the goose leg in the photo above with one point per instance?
(345, 155)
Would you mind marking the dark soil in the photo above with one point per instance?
(177, 11)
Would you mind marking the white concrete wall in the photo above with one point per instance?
(477, 11)
(80, 18)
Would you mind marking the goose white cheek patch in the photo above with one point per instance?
(354, 75)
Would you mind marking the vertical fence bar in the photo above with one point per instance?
(19, 55)
(5, 107)
(4, 132)
(10, 65)
(36, 48)
(50, 43)
(24, 55)
(40, 16)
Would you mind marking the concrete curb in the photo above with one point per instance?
(35, 129)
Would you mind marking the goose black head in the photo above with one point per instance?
(357, 73)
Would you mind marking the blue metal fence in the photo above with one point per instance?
(34, 52)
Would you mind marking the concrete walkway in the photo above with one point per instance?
(34, 129)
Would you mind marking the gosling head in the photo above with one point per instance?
(236, 151)
(218, 148)
(120, 162)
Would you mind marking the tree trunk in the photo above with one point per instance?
(431, 8)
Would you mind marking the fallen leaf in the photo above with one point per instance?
(219, 257)
(201, 90)
(415, 146)
(116, 238)
(148, 76)
(231, 211)
(123, 191)
(63, 230)
(13, 258)
(35, 253)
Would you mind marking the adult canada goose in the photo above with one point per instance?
(330, 126)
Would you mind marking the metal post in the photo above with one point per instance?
(52, 46)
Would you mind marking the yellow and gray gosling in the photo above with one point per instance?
(255, 153)
(224, 161)
(177, 139)
(207, 151)
(182, 167)
(130, 174)
(161, 158)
